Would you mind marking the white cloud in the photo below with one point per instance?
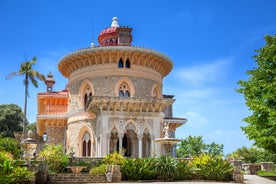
(207, 72)
(196, 120)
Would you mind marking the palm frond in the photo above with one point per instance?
(34, 81)
(11, 75)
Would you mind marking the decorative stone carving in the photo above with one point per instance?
(130, 126)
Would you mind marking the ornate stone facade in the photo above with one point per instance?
(113, 100)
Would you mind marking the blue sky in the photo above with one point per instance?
(210, 42)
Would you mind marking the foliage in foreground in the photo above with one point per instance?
(21, 175)
(138, 169)
(215, 168)
(114, 159)
(167, 168)
(98, 169)
(10, 145)
(11, 173)
(55, 158)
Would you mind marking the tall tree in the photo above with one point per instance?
(214, 149)
(260, 95)
(11, 118)
(194, 145)
(26, 70)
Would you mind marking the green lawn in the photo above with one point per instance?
(267, 173)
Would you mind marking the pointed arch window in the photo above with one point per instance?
(124, 90)
(86, 145)
(121, 63)
(127, 63)
(87, 94)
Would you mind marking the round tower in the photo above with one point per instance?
(115, 92)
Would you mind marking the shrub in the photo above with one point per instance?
(216, 169)
(10, 145)
(98, 169)
(55, 158)
(21, 175)
(6, 161)
(166, 167)
(4, 156)
(200, 160)
(138, 169)
(184, 170)
(114, 159)
(4, 179)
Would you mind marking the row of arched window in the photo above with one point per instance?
(123, 90)
(122, 64)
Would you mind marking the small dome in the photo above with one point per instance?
(115, 35)
(111, 31)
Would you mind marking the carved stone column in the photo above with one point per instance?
(140, 137)
(108, 142)
(121, 136)
(115, 140)
(152, 137)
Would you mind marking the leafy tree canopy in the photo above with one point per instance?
(11, 118)
(194, 145)
(260, 96)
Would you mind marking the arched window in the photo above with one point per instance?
(124, 90)
(89, 148)
(86, 145)
(127, 63)
(127, 94)
(87, 94)
(85, 99)
(120, 63)
(84, 148)
(121, 93)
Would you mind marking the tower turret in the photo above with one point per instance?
(50, 81)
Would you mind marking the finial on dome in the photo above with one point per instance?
(115, 22)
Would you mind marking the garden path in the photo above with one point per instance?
(254, 179)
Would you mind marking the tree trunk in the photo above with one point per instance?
(25, 107)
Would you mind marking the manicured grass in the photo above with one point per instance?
(267, 173)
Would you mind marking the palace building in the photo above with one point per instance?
(113, 99)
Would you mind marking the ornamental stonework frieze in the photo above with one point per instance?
(102, 55)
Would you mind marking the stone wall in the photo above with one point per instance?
(267, 166)
(55, 135)
(76, 178)
(105, 86)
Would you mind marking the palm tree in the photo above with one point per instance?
(29, 74)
